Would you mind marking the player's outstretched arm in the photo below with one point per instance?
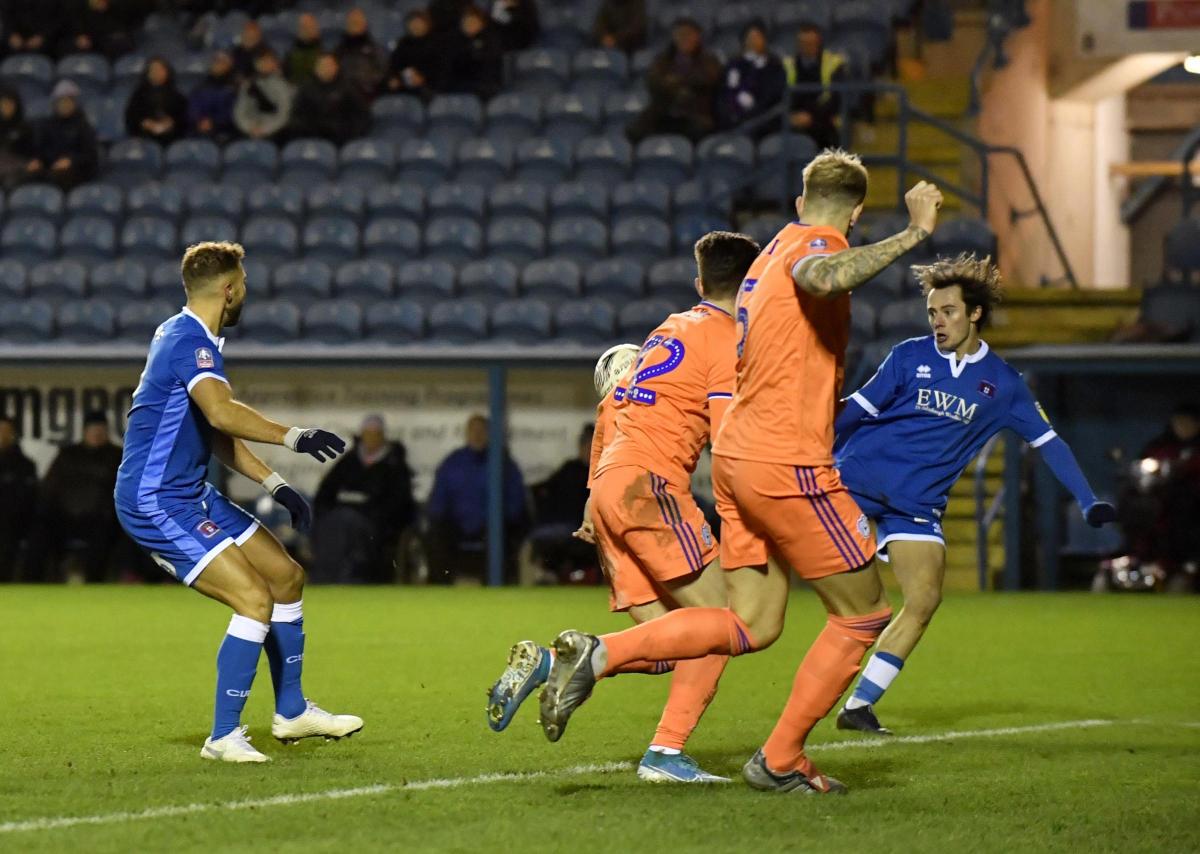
(235, 455)
(240, 421)
(844, 271)
(1062, 463)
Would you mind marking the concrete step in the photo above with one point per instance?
(884, 181)
(925, 144)
(946, 97)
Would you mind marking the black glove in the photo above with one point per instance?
(1100, 514)
(321, 444)
(288, 497)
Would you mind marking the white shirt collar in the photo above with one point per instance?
(219, 342)
(958, 366)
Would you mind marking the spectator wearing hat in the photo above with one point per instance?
(683, 82)
(64, 150)
(752, 84)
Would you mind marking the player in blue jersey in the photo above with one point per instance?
(183, 412)
(904, 438)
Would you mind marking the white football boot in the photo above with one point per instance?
(314, 721)
(234, 747)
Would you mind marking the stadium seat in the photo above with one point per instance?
(513, 116)
(519, 239)
(337, 199)
(86, 321)
(456, 239)
(138, 321)
(465, 200)
(192, 162)
(699, 197)
(223, 31)
(1173, 309)
(867, 22)
(28, 239)
(271, 322)
(333, 322)
(121, 280)
(88, 238)
(148, 239)
(726, 157)
(666, 158)
(863, 322)
(789, 17)
(686, 230)
(302, 282)
(96, 200)
(964, 234)
(546, 160)
(615, 279)
(638, 319)
(462, 321)
(198, 229)
(581, 237)
(521, 321)
(276, 200)
(589, 322)
(573, 116)
(270, 239)
(14, 279)
(424, 163)
(249, 162)
(127, 70)
(308, 161)
(577, 198)
(641, 198)
(599, 71)
(396, 322)
(641, 61)
(398, 116)
(427, 281)
(564, 28)
(787, 179)
(155, 199)
(215, 200)
(483, 161)
(642, 238)
(166, 283)
(541, 71)
(134, 161)
(392, 240)
(58, 280)
(31, 73)
(29, 321)
(621, 108)
(552, 279)
(333, 240)
(366, 162)
(672, 277)
(399, 201)
(731, 19)
(764, 228)
(903, 319)
(516, 198)
(365, 281)
(604, 159)
(107, 114)
(453, 118)
(490, 280)
(42, 200)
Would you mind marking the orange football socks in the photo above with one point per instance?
(683, 634)
(692, 688)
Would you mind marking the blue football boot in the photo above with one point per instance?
(527, 670)
(658, 767)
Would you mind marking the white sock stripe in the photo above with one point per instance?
(880, 672)
(247, 629)
(289, 613)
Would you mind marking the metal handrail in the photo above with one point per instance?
(985, 516)
(1185, 152)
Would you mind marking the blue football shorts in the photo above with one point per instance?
(892, 524)
(183, 538)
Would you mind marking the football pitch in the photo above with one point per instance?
(1024, 722)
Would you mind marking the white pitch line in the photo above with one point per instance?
(55, 823)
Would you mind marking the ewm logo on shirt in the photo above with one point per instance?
(937, 402)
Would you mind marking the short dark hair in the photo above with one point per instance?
(979, 279)
(722, 259)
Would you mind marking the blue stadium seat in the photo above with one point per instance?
(965, 234)
(463, 321)
(166, 283)
(731, 19)
(29, 321)
(483, 161)
(699, 197)
(453, 118)
(396, 322)
(334, 323)
(88, 238)
(276, 200)
(466, 200)
(642, 238)
(248, 162)
(577, 198)
(224, 30)
(139, 320)
(427, 281)
(155, 199)
(122, 280)
(96, 200)
(542, 71)
(14, 279)
(546, 160)
(521, 321)
(86, 321)
(580, 237)
(308, 161)
(615, 279)
(392, 240)
(673, 277)
(726, 157)
(258, 275)
(490, 280)
(641, 198)
(424, 163)
(403, 201)
(641, 61)
(552, 279)
(517, 198)
(573, 116)
(192, 161)
(367, 162)
(197, 229)
(519, 239)
(220, 200)
(866, 22)
(108, 117)
(148, 239)
(889, 284)
(270, 239)
(686, 230)
(903, 319)
(787, 177)
(863, 321)
(666, 158)
(58, 280)
(31, 73)
(788, 17)
(590, 322)
(621, 108)
(566, 29)
(331, 239)
(44, 200)
(513, 116)
(28, 239)
(1174, 309)
(398, 116)
(128, 69)
(271, 322)
(453, 238)
(344, 200)
(638, 319)
(599, 71)
(605, 159)
(134, 161)
(191, 69)
(364, 280)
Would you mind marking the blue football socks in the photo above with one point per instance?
(881, 669)
(285, 653)
(237, 660)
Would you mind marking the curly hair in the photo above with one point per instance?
(979, 279)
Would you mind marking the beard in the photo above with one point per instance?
(233, 314)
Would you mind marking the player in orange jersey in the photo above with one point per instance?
(777, 491)
(652, 537)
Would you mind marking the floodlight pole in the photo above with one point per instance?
(497, 406)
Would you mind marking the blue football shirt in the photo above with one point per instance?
(928, 415)
(168, 442)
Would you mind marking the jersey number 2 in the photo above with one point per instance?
(674, 348)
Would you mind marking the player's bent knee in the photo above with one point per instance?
(254, 600)
(924, 605)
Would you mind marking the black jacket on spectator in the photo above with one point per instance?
(682, 95)
(18, 499)
(516, 22)
(475, 66)
(446, 14)
(363, 63)
(29, 18)
(335, 111)
(156, 102)
(624, 21)
(425, 55)
(301, 57)
(74, 138)
(104, 30)
(560, 498)
(16, 139)
(751, 86)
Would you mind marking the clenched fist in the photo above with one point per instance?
(923, 201)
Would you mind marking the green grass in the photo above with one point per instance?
(107, 694)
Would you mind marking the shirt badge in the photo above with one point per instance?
(987, 389)
(207, 528)
(204, 358)
(819, 243)
(924, 372)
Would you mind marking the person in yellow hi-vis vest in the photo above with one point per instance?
(815, 113)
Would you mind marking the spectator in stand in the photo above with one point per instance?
(210, 106)
(33, 27)
(364, 62)
(516, 22)
(94, 26)
(475, 62)
(457, 510)
(558, 503)
(65, 151)
(264, 103)
(16, 137)
(753, 83)
(18, 497)
(621, 25)
(446, 16)
(157, 110)
(683, 83)
(330, 108)
(815, 113)
(298, 66)
(417, 58)
(249, 44)
(362, 507)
